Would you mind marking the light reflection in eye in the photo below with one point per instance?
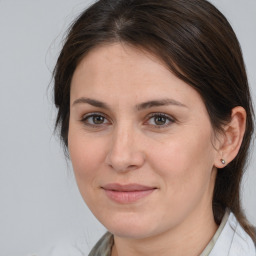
(94, 119)
(160, 120)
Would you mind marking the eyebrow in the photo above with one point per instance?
(95, 103)
(139, 107)
(158, 103)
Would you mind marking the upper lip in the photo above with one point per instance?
(127, 187)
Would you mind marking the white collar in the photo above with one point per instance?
(233, 240)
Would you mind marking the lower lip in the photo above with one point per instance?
(125, 197)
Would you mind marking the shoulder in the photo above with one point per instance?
(242, 243)
(233, 240)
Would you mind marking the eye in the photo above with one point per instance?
(94, 119)
(160, 120)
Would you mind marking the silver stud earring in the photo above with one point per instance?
(223, 161)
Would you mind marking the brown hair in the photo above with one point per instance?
(198, 45)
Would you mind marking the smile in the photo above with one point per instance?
(129, 193)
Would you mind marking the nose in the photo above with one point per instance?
(125, 153)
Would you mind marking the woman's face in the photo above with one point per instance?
(141, 143)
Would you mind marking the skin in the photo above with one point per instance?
(176, 154)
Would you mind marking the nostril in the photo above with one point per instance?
(132, 167)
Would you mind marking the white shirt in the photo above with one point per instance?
(233, 240)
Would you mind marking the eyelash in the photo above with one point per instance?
(170, 120)
(85, 118)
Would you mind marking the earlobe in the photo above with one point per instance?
(232, 137)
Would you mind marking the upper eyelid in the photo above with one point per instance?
(149, 115)
(160, 114)
(94, 114)
(170, 117)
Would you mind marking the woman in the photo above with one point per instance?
(155, 111)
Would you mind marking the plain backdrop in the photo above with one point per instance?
(40, 205)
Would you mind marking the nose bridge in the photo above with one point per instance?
(123, 136)
(124, 153)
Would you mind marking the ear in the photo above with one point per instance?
(231, 138)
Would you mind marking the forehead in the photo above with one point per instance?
(115, 56)
(119, 61)
(121, 71)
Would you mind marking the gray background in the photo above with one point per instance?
(40, 205)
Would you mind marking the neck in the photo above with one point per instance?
(189, 238)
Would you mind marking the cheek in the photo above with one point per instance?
(184, 158)
(185, 170)
(86, 155)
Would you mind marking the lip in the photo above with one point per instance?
(127, 193)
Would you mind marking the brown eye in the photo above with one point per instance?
(94, 120)
(98, 119)
(160, 120)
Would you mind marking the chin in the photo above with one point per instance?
(134, 227)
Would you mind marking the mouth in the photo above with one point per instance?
(128, 193)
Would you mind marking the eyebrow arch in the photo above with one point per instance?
(158, 103)
(139, 107)
(95, 103)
